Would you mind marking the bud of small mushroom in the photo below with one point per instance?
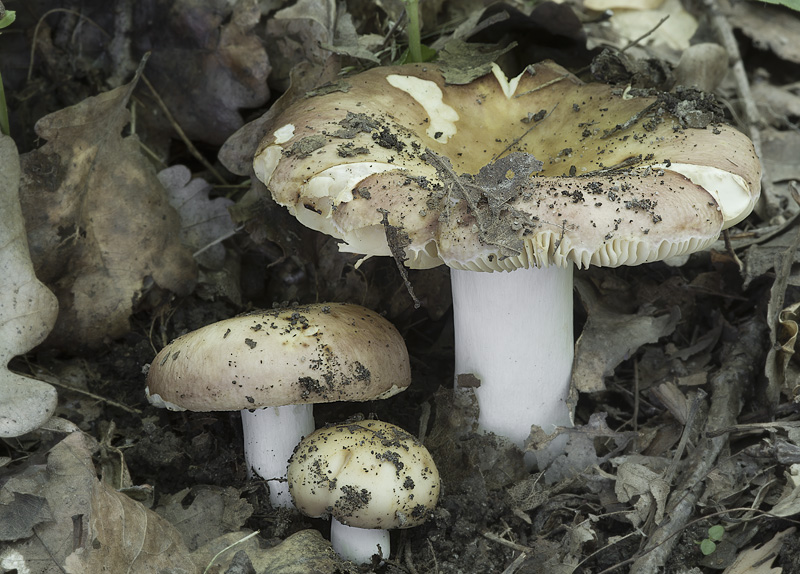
(369, 476)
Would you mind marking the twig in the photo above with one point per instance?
(181, 134)
(408, 555)
(726, 236)
(691, 417)
(727, 387)
(513, 545)
(53, 380)
(221, 552)
(635, 42)
(515, 564)
(218, 240)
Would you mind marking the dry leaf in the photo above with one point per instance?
(204, 221)
(27, 309)
(789, 502)
(610, 337)
(634, 479)
(92, 528)
(213, 512)
(304, 552)
(19, 516)
(758, 560)
(673, 34)
(295, 34)
(770, 27)
(99, 224)
(124, 536)
(207, 63)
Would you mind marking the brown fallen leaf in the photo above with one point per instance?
(27, 309)
(207, 63)
(212, 512)
(304, 552)
(759, 560)
(296, 34)
(610, 337)
(91, 528)
(124, 536)
(99, 225)
(204, 221)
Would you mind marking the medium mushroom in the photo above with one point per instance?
(273, 366)
(369, 476)
(521, 179)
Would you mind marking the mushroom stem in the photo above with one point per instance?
(513, 331)
(270, 435)
(359, 544)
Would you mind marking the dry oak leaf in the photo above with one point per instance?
(27, 309)
(99, 225)
(124, 536)
(204, 221)
(92, 528)
(209, 63)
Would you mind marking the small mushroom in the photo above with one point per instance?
(369, 476)
(273, 366)
(511, 183)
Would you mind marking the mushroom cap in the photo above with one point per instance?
(499, 174)
(367, 474)
(306, 354)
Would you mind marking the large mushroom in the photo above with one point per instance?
(273, 366)
(521, 179)
(369, 477)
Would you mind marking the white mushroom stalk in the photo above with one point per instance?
(369, 476)
(270, 436)
(513, 331)
(359, 545)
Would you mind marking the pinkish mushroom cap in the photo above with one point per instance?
(621, 180)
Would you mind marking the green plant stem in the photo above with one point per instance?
(4, 127)
(414, 47)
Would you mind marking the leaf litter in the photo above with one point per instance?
(679, 431)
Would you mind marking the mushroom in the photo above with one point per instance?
(369, 476)
(273, 366)
(521, 179)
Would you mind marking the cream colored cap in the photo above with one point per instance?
(620, 181)
(306, 354)
(367, 474)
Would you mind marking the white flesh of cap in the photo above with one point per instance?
(429, 96)
(508, 87)
(157, 401)
(284, 133)
(339, 181)
(729, 190)
(264, 164)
